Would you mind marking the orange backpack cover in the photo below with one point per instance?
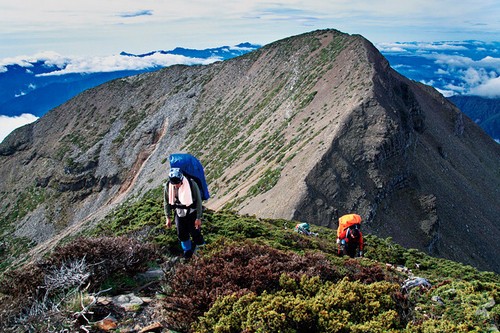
(346, 221)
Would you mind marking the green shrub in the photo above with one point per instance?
(309, 305)
(458, 306)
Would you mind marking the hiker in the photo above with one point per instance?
(349, 236)
(352, 239)
(302, 228)
(182, 195)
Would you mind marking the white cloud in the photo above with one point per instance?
(8, 124)
(429, 83)
(446, 93)
(455, 89)
(119, 62)
(50, 58)
(490, 62)
(450, 60)
(93, 64)
(404, 47)
(490, 89)
(473, 77)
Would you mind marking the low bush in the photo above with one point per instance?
(36, 291)
(307, 305)
(235, 268)
(105, 256)
(240, 268)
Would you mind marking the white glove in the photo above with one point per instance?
(360, 253)
(338, 240)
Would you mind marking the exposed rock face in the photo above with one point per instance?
(308, 128)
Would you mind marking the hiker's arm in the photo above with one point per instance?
(197, 194)
(361, 244)
(342, 234)
(166, 206)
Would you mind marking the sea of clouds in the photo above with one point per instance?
(453, 68)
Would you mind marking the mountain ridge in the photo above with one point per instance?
(308, 127)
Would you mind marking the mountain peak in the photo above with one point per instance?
(306, 128)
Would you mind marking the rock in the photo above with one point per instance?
(438, 300)
(151, 275)
(104, 300)
(128, 302)
(416, 282)
(155, 327)
(491, 303)
(107, 324)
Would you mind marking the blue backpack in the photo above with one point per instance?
(192, 168)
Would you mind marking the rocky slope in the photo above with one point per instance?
(307, 128)
(483, 111)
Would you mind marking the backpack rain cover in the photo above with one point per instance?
(346, 221)
(192, 168)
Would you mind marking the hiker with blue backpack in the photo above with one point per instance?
(182, 195)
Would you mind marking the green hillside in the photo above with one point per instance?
(254, 275)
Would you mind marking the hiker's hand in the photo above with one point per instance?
(197, 223)
(169, 223)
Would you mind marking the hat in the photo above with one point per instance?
(175, 176)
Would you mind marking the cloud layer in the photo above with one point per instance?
(68, 65)
(95, 64)
(8, 124)
(463, 68)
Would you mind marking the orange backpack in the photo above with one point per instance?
(347, 221)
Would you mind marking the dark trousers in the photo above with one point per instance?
(187, 234)
(351, 248)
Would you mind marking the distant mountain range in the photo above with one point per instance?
(37, 86)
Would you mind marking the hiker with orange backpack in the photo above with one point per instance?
(349, 236)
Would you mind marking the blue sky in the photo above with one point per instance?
(104, 27)
(88, 35)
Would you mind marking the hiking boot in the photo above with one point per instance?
(188, 254)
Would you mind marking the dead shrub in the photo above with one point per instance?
(105, 256)
(37, 289)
